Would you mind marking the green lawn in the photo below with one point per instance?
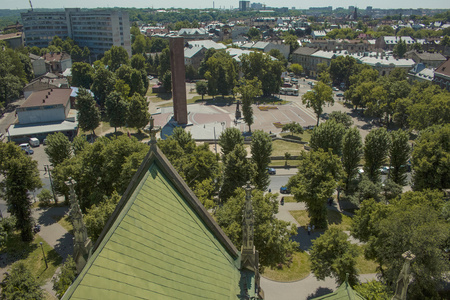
(298, 269)
(281, 147)
(289, 199)
(31, 254)
(334, 218)
(363, 265)
(65, 223)
(282, 163)
(304, 137)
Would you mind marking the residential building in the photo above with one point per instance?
(267, 46)
(161, 243)
(57, 62)
(351, 46)
(320, 57)
(442, 75)
(44, 82)
(98, 30)
(389, 42)
(432, 60)
(194, 55)
(318, 34)
(190, 34)
(13, 40)
(385, 64)
(38, 64)
(44, 112)
(302, 56)
(421, 73)
(207, 44)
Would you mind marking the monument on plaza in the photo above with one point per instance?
(176, 46)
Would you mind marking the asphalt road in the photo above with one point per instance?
(277, 181)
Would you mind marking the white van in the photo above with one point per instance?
(34, 142)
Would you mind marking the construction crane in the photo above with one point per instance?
(31, 5)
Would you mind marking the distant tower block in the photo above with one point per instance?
(178, 79)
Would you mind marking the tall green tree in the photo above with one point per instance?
(249, 90)
(333, 255)
(399, 152)
(273, 237)
(82, 75)
(103, 83)
(88, 113)
(293, 127)
(20, 284)
(202, 88)
(20, 175)
(229, 138)
(430, 159)
(376, 148)
(318, 97)
(58, 148)
(97, 215)
(167, 81)
(315, 182)
(261, 149)
(115, 57)
(352, 149)
(342, 118)
(327, 136)
(297, 69)
(65, 278)
(341, 68)
(138, 116)
(237, 170)
(116, 110)
(400, 49)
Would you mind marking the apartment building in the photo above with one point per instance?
(98, 30)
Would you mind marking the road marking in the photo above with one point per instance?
(306, 111)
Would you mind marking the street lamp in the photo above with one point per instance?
(45, 259)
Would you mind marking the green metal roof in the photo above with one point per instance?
(344, 292)
(160, 245)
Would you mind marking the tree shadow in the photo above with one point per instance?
(304, 239)
(51, 215)
(15, 249)
(114, 134)
(164, 96)
(140, 135)
(218, 101)
(320, 291)
(64, 246)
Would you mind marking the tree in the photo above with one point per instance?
(167, 82)
(103, 83)
(410, 223)
(201, 88)
(20, 175)
(293, 127)
(272, 236)
(351, 154)
(58, 148)
(20, 284)
(115, 57)
(262, 66)
(221, 74)
(430, 159)
(291, 40)
(254, 34)
(11, 83)
(65, 278)
(249, 90)
(332, 254)
(297, 69)
(327, 136)
(342, 118)
(45, 197)
(317, 98)
(88, 113)
(261, 149)
(376, 148)
(237, 170)
(116, 110)
(97, 216)
(400, 49)
(82, 74)
(138, 116)
(399, 152)
(374, 290)
(229, 138)
(315, 182)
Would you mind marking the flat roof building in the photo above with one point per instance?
(98, 30)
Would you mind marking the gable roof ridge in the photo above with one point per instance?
(156, 155)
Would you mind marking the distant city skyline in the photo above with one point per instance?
(227, 4)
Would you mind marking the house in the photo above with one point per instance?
(207, 44)
(13, 40)
(421, 73)
(432, 60)
(442, 75)
(43, 82)
(194, 55)
(44, 112)
(318, 34)
(57, 62)
(302, 56)
(193, 34)
(320, 57)
(389, 42)
(385, 64)
(38, 64)
(161, 243)
(267, 46)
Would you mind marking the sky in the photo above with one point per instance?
(21, 4)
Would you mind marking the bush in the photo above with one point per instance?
(45, 198)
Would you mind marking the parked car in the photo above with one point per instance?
(335, 89)
(384, 170)
(339, 95)
(34, 142)
(295, 80)
(285, 190)
(287, 84)
(27, 148)
(271, 171)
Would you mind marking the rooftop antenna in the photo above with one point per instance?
(31, 5)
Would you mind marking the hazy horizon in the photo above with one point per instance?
(226, 4)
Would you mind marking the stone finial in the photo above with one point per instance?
(404, 277)
(248, 222)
